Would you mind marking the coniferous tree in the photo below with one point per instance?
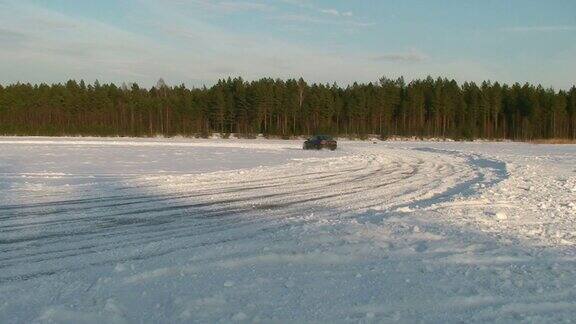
(429, 107)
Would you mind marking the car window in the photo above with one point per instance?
(321, 138)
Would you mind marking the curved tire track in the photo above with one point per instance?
(187, 212)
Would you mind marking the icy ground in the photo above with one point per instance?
(169, 231)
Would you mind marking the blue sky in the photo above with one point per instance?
(198, 41)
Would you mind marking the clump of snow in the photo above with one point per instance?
(120, 267)
(240, 316)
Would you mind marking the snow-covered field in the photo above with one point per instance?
(179, 230)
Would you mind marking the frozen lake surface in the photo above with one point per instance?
(180, 230)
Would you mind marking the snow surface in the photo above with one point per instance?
(179, 230)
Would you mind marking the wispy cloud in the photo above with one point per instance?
(223, 6)
(524, 29)
(39, 42)
(334, 12)
(317, 14)
(43, 45)
(411, 56)
(315, 19)
(302, 18)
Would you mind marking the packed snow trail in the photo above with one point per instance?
(132, 230)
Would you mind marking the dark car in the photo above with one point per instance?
(319, 142)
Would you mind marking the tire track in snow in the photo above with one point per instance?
(193, 210)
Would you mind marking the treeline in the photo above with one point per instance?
(424, 108)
